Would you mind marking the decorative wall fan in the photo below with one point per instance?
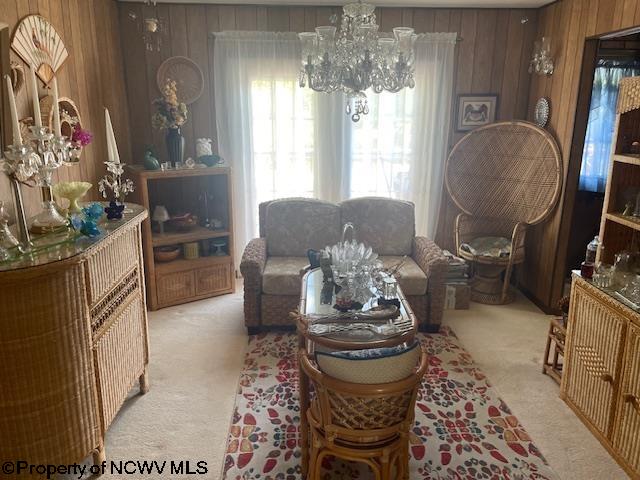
(38, 43)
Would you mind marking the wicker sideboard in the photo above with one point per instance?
(73, 342)
(601, 379)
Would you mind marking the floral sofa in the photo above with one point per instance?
(272, 264)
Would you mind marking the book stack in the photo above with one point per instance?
(456, 281)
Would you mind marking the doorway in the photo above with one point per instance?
(606, 61)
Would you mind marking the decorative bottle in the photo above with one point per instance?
(587, 267)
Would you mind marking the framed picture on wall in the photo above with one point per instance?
(476, 111)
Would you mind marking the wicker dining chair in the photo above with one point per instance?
(504, 177)
(367, 423)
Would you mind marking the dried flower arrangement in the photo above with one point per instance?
(171, 113)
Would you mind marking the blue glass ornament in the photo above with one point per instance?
(114, 211)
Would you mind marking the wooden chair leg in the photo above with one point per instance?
(386, 465)
(317, 470)
(506, 284)
(404, 460)
(311, 469)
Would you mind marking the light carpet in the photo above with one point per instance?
(463, 430)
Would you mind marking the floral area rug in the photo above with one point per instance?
(463, 430)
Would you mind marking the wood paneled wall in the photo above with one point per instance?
(93, 76)
(569, 23)
(491, 58)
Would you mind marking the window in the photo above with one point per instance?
(282, 139)
(380, 145)
(602, 116)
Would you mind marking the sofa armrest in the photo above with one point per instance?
(254, 259)
(433, 263)
(252, 266)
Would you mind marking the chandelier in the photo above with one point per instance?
(357, 57)
(541, 59)
(152, 27)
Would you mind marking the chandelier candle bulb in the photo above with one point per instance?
(37, 118)
(17, 136)
(56, 109)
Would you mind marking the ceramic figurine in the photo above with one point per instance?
(203, 147)
(150, 160)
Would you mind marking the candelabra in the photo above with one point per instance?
(34, 162)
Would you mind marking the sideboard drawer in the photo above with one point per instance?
(175, 286)
(213, 279)
(111, 261)
(596, 332)
(626, 434)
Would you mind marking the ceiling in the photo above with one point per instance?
(379, 3)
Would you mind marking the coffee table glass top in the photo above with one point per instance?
(318, 300)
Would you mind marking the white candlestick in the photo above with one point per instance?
(56, 109)
(37, 117)
(17, 136)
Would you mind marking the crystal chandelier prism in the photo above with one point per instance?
(356, 57)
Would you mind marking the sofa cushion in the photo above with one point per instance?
(386, 225)
(372, 366)
(282, 275)
(295, 225)
(411, 278)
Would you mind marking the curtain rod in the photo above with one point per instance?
(458, 38)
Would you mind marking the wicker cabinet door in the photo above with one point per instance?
(596, 328)
(626, 433)
(213, 279)
(175, 286)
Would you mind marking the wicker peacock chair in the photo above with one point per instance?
(504, 177)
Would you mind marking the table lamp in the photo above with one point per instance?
(160, 215)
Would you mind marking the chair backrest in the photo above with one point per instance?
(294, 225)
(385, 224)
(506, 170)
(366, 412)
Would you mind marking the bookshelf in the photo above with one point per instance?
(212, 271)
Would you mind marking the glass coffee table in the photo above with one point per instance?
(316, 311)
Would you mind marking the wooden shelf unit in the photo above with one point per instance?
(601, 373)
(197, 233)
(185, 280)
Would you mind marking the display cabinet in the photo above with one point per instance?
(601, 377)
(199, 232)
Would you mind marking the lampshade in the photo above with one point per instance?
(160, 214)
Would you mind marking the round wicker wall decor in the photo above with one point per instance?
(187, 75)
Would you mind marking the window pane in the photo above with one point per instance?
(283, 146)
(381, 148)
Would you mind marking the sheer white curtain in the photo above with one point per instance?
(432, 101)
(251, 127)
(282, 140)
(400, 148)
